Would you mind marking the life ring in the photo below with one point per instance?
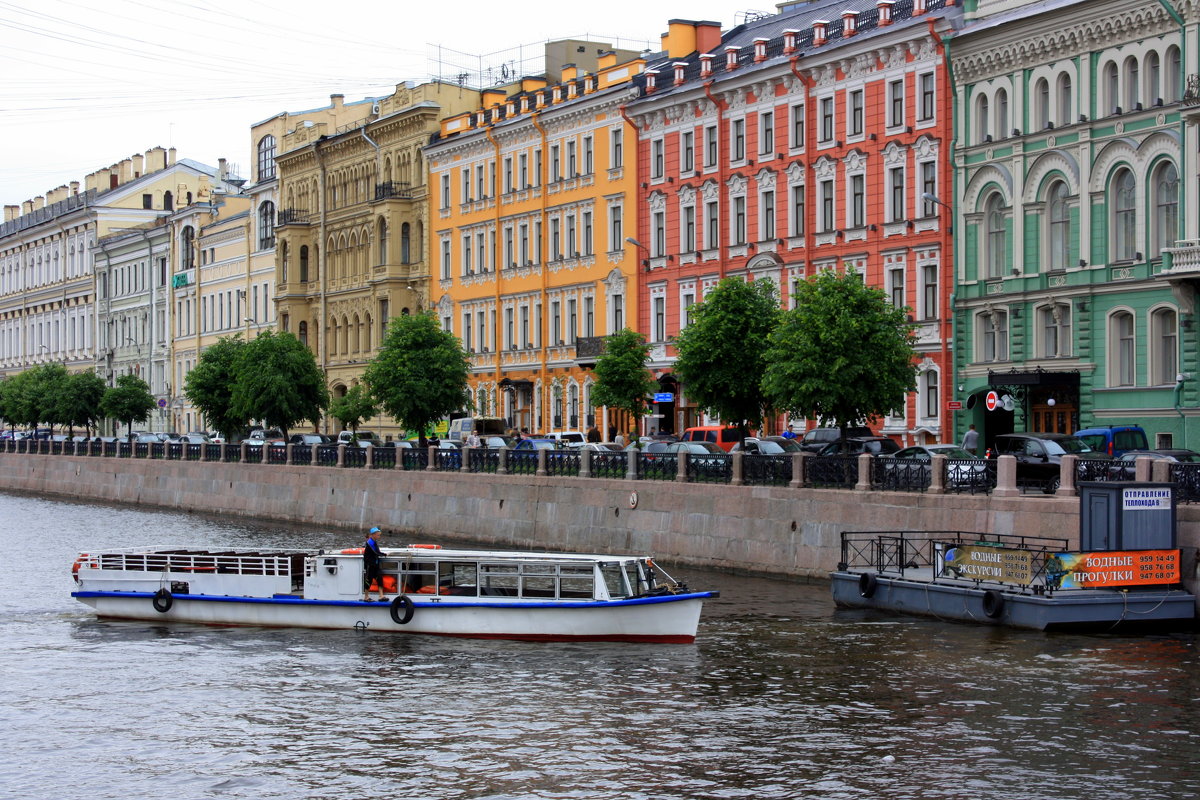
(162, 601)
(993, 604)
(426, 546)
(75, 567)
(352, 551)
(402, 602)
(867, 584)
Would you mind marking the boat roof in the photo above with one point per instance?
(512, 555)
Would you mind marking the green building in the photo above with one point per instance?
(1076, 223)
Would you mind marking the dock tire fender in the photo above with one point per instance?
(867, 584)
(163, 601)
(993, 604)
(402, 609)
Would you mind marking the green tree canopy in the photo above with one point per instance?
(353, 408)
(844, 354)
(420, 374)
(622, 380)
(722, 351)
(129, 401)
(79, 402)
(278, 381)
(47, 385)
(209, 386)
(15, 406)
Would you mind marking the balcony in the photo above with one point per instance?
(1184, 274)
(292, 216)
(588, 349)
(393, 190)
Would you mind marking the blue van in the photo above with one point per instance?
(1114, 440)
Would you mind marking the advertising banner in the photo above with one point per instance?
(980, 563)
(1108, 570)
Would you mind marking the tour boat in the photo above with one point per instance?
(429, 590)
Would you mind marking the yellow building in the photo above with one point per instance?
(353, 222)
(533, 195)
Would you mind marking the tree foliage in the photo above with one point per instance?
(210, 385)
(844, 354)
(47, 384)
(79, 401)
(420, 374)
(354, 408)
(722, 351)
(129, 401)
(278, 381)
(16, 406)
(622, 380)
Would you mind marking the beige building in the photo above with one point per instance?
(353, 222)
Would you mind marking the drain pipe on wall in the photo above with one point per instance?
(1179, 379)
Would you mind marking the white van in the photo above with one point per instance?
(460, 429)
(568, 439)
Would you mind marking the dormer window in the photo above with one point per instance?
(706, 65)
(885, 11)
(731, 57)
(849, 23)
(819, 28)
(789, 41)
(680, 66)
(760, 49)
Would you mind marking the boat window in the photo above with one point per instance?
(459, 578)
(537, 580)
(576, 582)
(498, 580)
(417, 575)
(542, 580)
(615, 579)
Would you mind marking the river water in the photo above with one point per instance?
(782, 696)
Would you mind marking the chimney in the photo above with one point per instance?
(39, 202)
(156, 159)
(170, 158)
(731, 56)
(760, 49)
(74, 188)
(589, 84)
(849, 23)
(679, 66)
(819, 26)
(706, 65)
(539, 99)
(685, 36)
(126, 168)
(885, 12)
(222, 169)
(789, 41)
(569, 73)
(572, 90)
(11, 213)
(26, 207)
(139, 164)
(337, 100)
(708, 36)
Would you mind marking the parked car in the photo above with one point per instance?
(141, 437)
(360, 438)
(567, 439)
(194, 438)
(706, 458)
(723, 436)
(260, 436)
(309, 438)
(537, 444)
(815, 440)
(768, 446)
(1040, 454)
(650, 447)
(875, 445)
(958, 474)
(602, 447)
(1114, 440)
(1125, 467)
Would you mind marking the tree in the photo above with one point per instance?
(722, 351)
(278, 381)
(129, 401)
(79, 402)
(44, 389)
(420, 374)
(354, 408)
(622, 380)
(209, 386)
(844, 354)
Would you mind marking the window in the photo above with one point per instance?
(658, 241)
(896, 286)
(854, 125)
(616, 236)
(1041, 103)
(895, 103)
(927, 88)
(1153, 78)
(1055, 324)
(523, 171)
(572, 159)
(1132, 77)
(304, 263)
(466, 255)
(929, 291)
(982, 133)
(445, 258)
(858, 202)
(1164, 347)
(1172, 88)
(266, 225)
(930, 394)
(508, 174)
(766, 133)
(739, 140)
(266, 158)
(588, 166)
(826, 119)
(896, 188)
(710, 146)
(555, 163)
(187, 254)
(617, 145)
(618, 312)
(587, 233)
(1166, 208)
(1121, 346)
(1124, 216)
(993, 336)
(445, 191)
(660, 319)
(766, 222)
(657, 159)
(996, 248)
(1059, 244)
(928, 188)
(739, 220)
(826, 221)
(797, 126)
(1064, 99)
(1001, 114)
(687, 241)
(1111, 86)
(797, 211)
(712, 236)
(687, 155)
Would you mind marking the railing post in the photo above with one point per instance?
(245, 448)
(585, 463)
(370, 456)
(466, 459)
(431, 461)
(288, 461)
(1066, 477)
(799, 464)
(735, 479)
(681, 459)
(1006, 477)
(864, 473)
(341, 462)
(1142, 468)
(541, 462)
(203, 451)
(937, 477)
(631, 464)
(502, 464)
(1160, 469)
(312, 458)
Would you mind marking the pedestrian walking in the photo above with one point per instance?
(970, 441)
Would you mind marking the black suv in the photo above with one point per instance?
(1040, 454)
(855, 445)
(818, 438)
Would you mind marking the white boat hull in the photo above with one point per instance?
(668, 618)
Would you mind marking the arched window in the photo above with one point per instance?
(283, 262)
(1171, 79)
(1059, 243)
(303, 333)
(982, 132)
(1166, 208)
(187, 249)
(1153, 78)
(1054, 322)
(1065, 100)
(1164, 347)
(992, 335)
(996, 246)
(304, 263)
(1123, 201)
(382, 235)
(168, 202)
(1132, 79)
(929, 394)
(266, 158)
(1121, 349)
(1001, 114)
(405, 243)
(266, 225)
(1112, 88)
(1041, 103)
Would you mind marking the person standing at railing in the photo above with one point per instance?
(970, 441)
(372, 565)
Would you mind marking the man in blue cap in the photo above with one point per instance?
(372, 565)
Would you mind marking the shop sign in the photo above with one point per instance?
(1112, 569)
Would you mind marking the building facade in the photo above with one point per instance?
(817, 138)
(1076, 172)
(533, 193)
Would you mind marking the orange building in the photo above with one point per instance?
(530, 198)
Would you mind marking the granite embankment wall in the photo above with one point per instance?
(755, 529)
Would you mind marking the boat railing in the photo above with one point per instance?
(276, 564)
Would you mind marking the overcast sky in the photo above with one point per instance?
(86, 83)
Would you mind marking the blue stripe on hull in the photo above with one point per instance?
(293, 600)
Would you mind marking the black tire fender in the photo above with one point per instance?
(402, 609)
(867, 584)
(163, 600)
(993, 604)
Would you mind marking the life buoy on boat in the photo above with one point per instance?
(867, 584)
(402, 609)
(75, 567)
(993, 603)
(352, 551)
(426, 546)
(163, 601)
